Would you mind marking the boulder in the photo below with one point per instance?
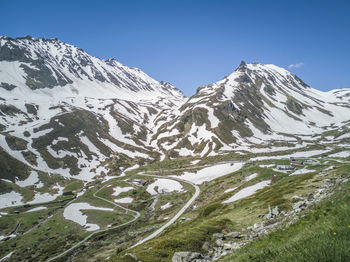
(218, 236)
(232, 235)
(206, 246)
(219, 243)
(275, 211)
(297, 198)
(310, 197)
(298, 206)
(186, 257)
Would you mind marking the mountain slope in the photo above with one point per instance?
(253, 105)
(64, 111)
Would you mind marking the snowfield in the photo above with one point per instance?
(165, 206)
(32, 179)
(73, 212)
(342, 154)
(124, 200)
(250, 177)
(10, 199)
(210, 173)
(302, 171)
(118, 190)
(248, 191)
(36, 209)
(162, 185)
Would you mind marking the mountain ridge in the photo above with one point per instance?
(47, 84)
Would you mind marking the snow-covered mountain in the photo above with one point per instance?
(256, 104)
(65, 111)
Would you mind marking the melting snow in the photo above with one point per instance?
(124, 200)
(231, 189)
(10, 199)
(73, 213)
(267, 166)
(36, 209)
(250, 177)
(302, 171)
(165, 206)
(342, 154)
(164, 186)
(248, 191)
(118, 190)
(30, 180)
(211, 173)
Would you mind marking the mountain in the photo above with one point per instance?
(257, 104)
(67, 115)
(99, 161)
(66, 112)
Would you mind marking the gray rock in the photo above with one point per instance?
(206, 246)
(186, 257)
(299, 205)
(227, 246)
(275, 211)
(310, 197)
(232, 235)
(296, 198)
(219, 243)
(218, 236)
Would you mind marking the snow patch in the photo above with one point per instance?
(248, 191)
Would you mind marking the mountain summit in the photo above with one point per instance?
(254, 104)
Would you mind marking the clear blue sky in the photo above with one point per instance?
(193, 43)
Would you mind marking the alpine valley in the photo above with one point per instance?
(101, 162)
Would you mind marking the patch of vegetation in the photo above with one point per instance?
(16, 143)
(11, 168)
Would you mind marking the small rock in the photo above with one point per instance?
(232, 235)
(310, 197)
(275, 211)
(219, 243)
(296, 198)
(218, 236)
(206, 246)
(186, 256)
(299, 205)
(227, 246)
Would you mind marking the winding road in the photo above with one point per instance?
(178, 214)
(136, 215)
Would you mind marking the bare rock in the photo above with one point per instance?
(232, 235)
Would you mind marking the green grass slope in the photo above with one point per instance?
(322, 235)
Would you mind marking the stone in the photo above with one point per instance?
(299, 205)
(232, 235)
(296, 198)
(219, 243)
(275, 211)
(310, 197)
(227, 246)
(206, 246)
(186, 256)
(218, 236)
